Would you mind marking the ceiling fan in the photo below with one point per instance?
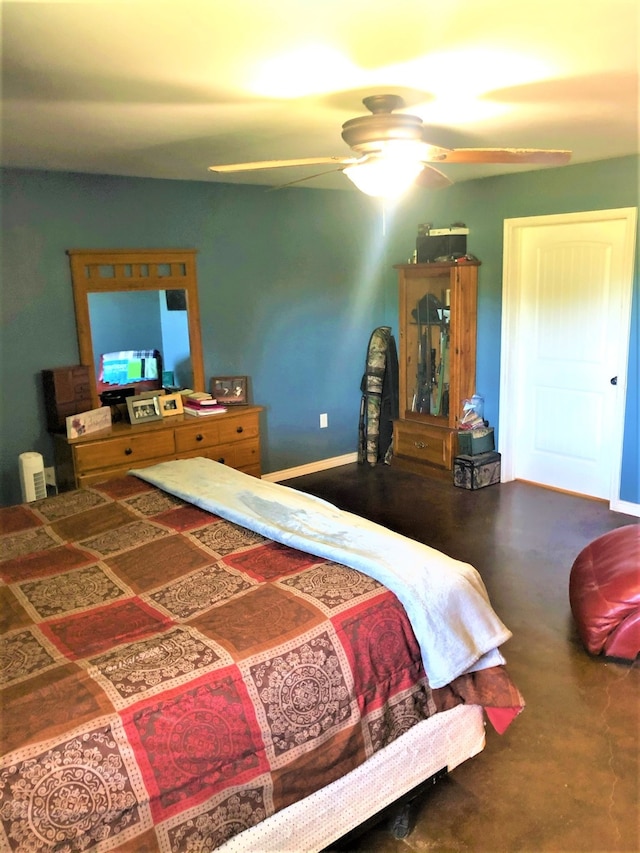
(390, 152)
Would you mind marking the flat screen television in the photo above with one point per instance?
(140, 370)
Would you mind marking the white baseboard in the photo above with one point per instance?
(310, 468)
(626, 507)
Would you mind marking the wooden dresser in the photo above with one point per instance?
(231, 437)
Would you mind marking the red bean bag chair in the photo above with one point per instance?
(604, 593)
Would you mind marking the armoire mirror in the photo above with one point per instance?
(136, 284)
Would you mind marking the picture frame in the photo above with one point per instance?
(84, 423)
(230, 390)
(171, 404)
(143, 409)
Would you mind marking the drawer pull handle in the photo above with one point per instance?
(221, 460)
(199, 437)
(420, 444)
(239, 429)
(128, 451)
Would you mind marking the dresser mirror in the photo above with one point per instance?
(132, 305)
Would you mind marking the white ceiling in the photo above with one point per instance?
(164, 89)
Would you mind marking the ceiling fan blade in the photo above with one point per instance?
(431, 178)
(302, 180)
(280, 164)
(502, 155)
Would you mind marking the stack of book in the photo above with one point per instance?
(201, 404)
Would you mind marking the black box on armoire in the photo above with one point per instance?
(446, 243)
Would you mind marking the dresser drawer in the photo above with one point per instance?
(240, 454)
(128, 450)
(423, 443)
(239, 428)
(198, 436)
(91, 478)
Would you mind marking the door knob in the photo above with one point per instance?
(614, 380)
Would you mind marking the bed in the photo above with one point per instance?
(194, 659)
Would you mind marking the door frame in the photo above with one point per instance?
(511, 354)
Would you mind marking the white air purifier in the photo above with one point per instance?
(32, 479)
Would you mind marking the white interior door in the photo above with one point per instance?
(565, 340)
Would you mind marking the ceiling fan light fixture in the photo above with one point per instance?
(384, 177)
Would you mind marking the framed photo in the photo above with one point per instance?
(229, 390)
(171, 404)
(143, 409)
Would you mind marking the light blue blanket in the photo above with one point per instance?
(445, 599)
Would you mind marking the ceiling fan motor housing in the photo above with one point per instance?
(366, 133)
(367, 130)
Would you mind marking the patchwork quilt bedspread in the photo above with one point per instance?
(169, 678)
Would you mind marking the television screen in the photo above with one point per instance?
(141, 369)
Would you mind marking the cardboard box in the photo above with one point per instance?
(476, 472)
(471, 442)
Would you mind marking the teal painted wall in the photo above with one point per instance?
(291, 285)
(288, 296)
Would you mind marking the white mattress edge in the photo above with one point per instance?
(444, 740)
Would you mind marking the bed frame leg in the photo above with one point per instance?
(398, 819)
(403, 820)
(401, 825)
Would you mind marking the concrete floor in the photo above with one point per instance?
(565, 775)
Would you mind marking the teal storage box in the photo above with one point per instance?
(471, 442)
(476, 472)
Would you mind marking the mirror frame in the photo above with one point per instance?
(134, 270)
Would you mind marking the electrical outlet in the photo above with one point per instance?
(50, 476)
(324, 421)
